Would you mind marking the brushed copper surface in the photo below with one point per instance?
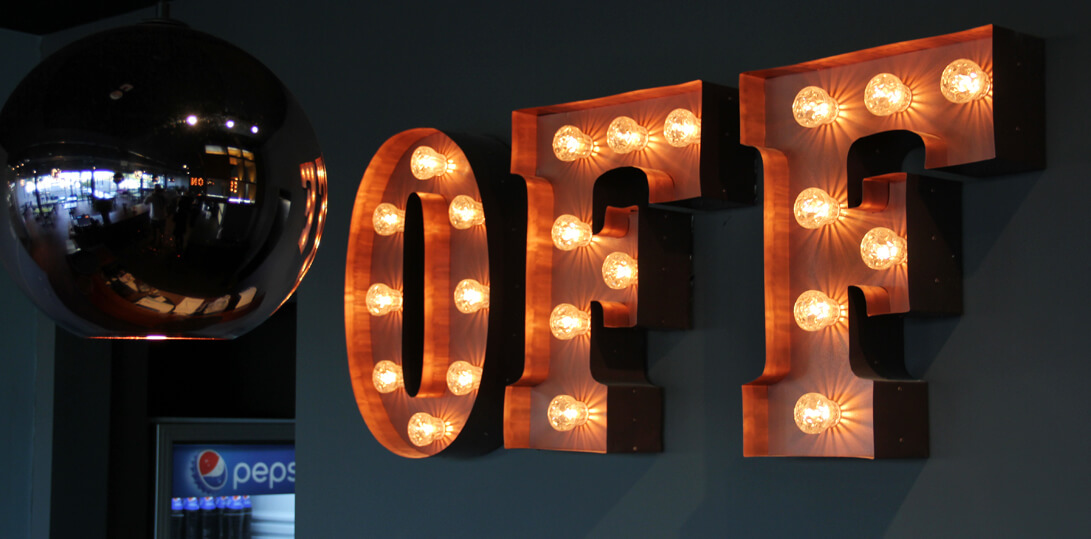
(828, 259)
(554, 367)
(449, 255)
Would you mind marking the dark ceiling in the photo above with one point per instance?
(47, 16)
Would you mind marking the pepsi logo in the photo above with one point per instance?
(210, 470)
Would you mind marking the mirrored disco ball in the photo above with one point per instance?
(158, 182)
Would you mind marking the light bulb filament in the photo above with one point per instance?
(387, 376)
(388, 219)
(567, 322)
(814, 107)
(963, 81)
(463, 377)
(882, 248)
(814, 311)
(471, 296)
(814, 413)
(814, 208)
(625, 135)
(424, 429)
(570, 144)
(426, 163)
(465, 212)
(885, 94)
(682, 128)
(566, 413)
(619, 271)
(382, 300)
(569, 233)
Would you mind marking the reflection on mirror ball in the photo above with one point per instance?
(134, 207)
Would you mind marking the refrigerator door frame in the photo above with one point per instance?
(169, 431)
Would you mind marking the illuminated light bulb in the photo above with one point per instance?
(682, 128)
(625, 135)
(471, 296)
(567, 322)
(388, 219)
(570, 144)
(254, 130)
(191, 119)
(463, 377)
(229, 124)
(963, 81)
(387, 376)
(814, 107)
(465, 212)
(882, 248)
(814, 413)
(885, 94)
(382, 300)
(426, 163)
(565, 413)
(569, 232)
(814, 208)
(425, 429)
(619, 271)
(815, 310)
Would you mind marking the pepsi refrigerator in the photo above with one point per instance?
(225, 479)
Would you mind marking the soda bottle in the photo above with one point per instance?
(192, 517)
(177, 519)
(247, 516)
(233, 518)
(221, 507)
(210, 523)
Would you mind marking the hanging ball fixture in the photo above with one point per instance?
(164, 218)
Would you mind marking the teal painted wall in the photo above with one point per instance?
(1009, 436)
